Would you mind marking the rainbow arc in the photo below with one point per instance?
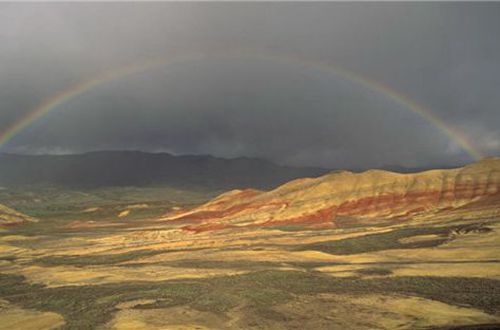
(59, 99)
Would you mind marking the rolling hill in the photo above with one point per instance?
(9, 217)
(344, 197)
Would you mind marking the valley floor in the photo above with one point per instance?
(118, 267)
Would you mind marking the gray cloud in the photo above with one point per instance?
(444, 56)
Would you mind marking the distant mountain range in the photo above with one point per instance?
(133, 168)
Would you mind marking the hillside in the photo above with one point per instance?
(130, 168)
(10, 217)
(345, 197)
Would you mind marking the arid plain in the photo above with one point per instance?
(371, 250)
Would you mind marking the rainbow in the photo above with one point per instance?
(80, 88)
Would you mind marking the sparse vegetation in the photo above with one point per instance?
(391, 240)
(96, 259)
(85, 307)
(375, 271)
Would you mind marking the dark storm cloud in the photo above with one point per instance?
(444, 56)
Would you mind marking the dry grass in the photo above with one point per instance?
(12, 317)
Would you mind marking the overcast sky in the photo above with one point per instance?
(444, 56)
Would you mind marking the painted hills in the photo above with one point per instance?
(343, 197)
(343, 251)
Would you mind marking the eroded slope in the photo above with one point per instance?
(339, 197)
